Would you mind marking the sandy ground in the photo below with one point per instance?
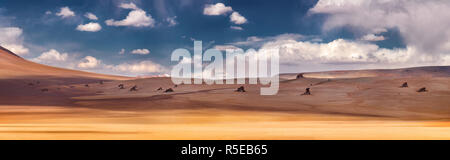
(63, 123)
(339, 109)
(52, 103)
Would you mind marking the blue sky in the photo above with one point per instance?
(137, 37)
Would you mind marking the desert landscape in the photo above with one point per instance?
(43, 102)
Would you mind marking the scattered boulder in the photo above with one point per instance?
(307, 92)
(72, 86)
(168, 90)
(160, 89)
(404, 85)
(240, 89)
(134, 88)
(30, 84)
(101, 82)
(422, 90)
(44, 90)
(86, 85)
(121, 86)
(300, 76)
(175, 86)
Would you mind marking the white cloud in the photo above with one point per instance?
(11, 38)
(306, 54)
(140, 51)
(171, 21)
(128, 6)
(65, 12)
(48, 12)
(379, 30)
(237, 18)
(90, 27)
(89, 62)
(424, 25)
(225, 47)
(93, 64)
(136, 18)
(91, 16)
(51, 56)
(10, 34)
(143, 67)
(17, 49)
(216, 9)
(236, 28)
(372, 37)
(340, 54)
(122, 51)
(254, 41)
(221, 9)
(336, 52)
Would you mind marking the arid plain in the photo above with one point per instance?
(43, 102)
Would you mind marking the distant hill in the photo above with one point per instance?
(429, 71)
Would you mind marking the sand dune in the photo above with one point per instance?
(379, 96)
(13, 66)
(365, 104)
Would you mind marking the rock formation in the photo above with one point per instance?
(422, 90)
(240, 89)
(134, 88)
(168, 90)
(404, 85)
(307, 92)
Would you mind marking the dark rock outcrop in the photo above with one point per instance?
(240, 89)
(169, 90)
(422, 90)
(404, 85)
(134, 88)
(307, 92)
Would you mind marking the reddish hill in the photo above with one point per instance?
(13, 66)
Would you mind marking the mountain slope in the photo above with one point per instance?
(12, 67)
